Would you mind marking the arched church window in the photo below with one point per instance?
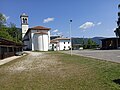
(23, 20)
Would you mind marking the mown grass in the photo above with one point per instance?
(74, 73)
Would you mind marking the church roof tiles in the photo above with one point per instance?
(39, 28)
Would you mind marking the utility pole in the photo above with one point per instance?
(71, 37)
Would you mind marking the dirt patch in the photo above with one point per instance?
(34, 61)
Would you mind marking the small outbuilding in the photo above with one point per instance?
(9, 48)
(110, 43)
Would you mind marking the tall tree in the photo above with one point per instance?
(14, 32)
(90, 44)
(9, 32)
(2, 20)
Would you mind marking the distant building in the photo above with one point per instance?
(77, 43)
(54, 37)
(110, 43)
(60, 44)
(35, 38)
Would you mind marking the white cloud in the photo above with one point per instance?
(56, 30)
(48, 20)
(7, 17)
(99, 23)
(87, 25)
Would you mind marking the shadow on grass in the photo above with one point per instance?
(117, 81)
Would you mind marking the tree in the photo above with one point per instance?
(90, 44)
(9, 32)
(2, 20)
(14, 32)
(5, 35)
(3, 28)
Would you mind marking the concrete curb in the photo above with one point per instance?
(6, 60)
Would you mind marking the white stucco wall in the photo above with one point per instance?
(32, 39)
(45, 42)
(62, 45)
(39, 41)
(24, 30)
(53, 46)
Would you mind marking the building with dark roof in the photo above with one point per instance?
(110, 43)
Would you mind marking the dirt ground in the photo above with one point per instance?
(34, 61)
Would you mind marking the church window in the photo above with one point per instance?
(23, 20)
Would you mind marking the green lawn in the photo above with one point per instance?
(70, 73)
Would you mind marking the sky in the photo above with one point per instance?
(90, 18)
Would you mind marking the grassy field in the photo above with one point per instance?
(59, 72)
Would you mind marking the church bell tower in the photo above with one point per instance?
(24, 23)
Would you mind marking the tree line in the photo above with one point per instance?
(90, 44)
(9, 31)
(86, 43)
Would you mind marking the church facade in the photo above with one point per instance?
(36, 38)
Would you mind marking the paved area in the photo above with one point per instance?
(109, 55)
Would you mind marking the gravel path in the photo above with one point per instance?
(109, 55)
(35, 61)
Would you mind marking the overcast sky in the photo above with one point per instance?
(90, 18)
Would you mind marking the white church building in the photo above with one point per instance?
(35, 38)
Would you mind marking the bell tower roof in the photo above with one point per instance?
(23, 15)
